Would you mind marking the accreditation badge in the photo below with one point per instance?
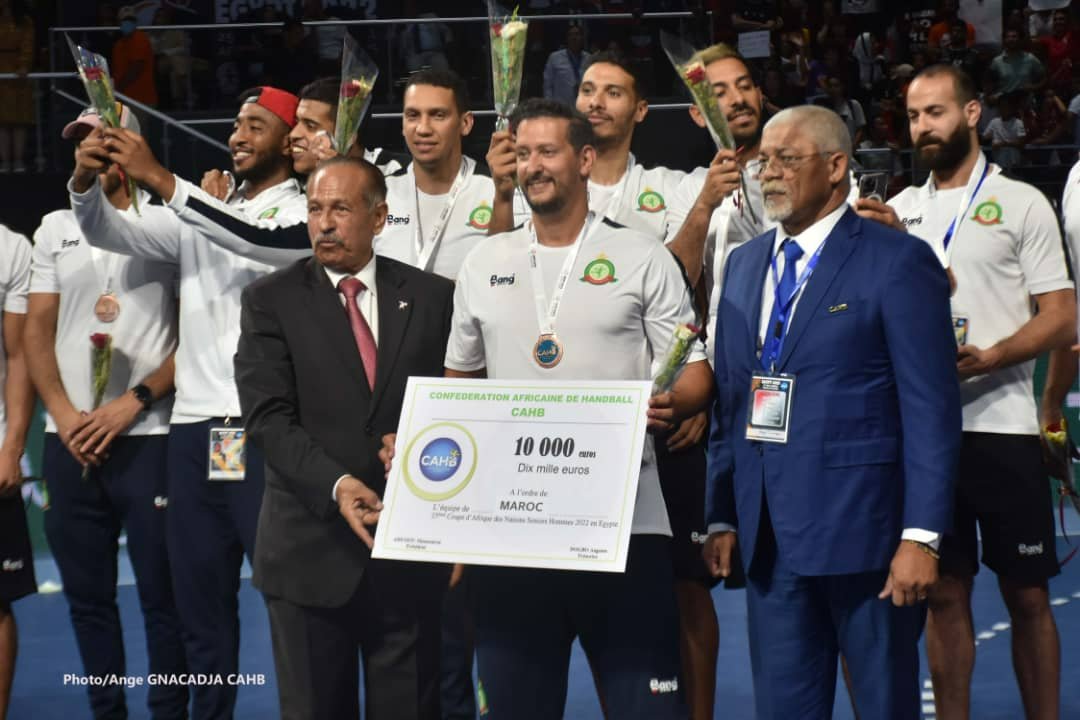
(960, 329)
(227, 453)
(769, 411)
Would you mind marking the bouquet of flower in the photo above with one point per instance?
(101, 366)
(358, 73)
(94, 71)
(1060, 455)
(682, 341)
(507, 34)
(691, 70)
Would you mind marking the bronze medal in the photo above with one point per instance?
(107, 308)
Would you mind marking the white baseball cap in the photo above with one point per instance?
(90, 119)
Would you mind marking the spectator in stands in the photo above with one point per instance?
(755, 15)
(563, 70)
(879, 153)
(294, 61)
(1062, 47)
(16, 96)
(778, 92)
(328, 39)
(955, 49)
(988, 102)
(793, 62)
(133, 61)
(424, 45)
(1073, 110)
(172, 55)
(1050, 126)
(1006, 133)
(831, 64)
(1015, 69)
(870, 64)
(849, 109)
(946, 18)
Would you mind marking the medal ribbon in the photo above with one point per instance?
(785, 305)
(546, 311)
(966, 201)
(425, 254)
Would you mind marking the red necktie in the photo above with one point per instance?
(365, 340)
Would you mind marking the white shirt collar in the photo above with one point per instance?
(366, 275)
(814, 236)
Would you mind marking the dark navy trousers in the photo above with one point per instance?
(83, 523)
(211, 527)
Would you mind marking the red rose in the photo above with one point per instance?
(94, 73)
(100, 340)
(496, 29)
(696, 75)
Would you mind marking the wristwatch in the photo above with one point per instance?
(143, 395)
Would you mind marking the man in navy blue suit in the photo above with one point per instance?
(836, 433)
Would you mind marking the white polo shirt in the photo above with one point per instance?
(14, 284)
(465, 226)
(610, 331)
(1006, 249)
(1070, 217)
(144, 334)
(211, 280)
(640, 200)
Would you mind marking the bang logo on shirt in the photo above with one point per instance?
(480, 217)
(988, 213)
(439, 461)
(650, 201)
(268, 213)
(600, 271)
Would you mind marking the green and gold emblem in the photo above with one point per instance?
(650, 201)
(988, 213)
(480, 217)
(600, 271)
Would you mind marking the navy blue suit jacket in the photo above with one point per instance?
(875, 415)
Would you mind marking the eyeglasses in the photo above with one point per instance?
(787, 162)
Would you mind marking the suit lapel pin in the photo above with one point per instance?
(402, 304)
(838, 308)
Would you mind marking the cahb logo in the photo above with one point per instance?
(440, 459)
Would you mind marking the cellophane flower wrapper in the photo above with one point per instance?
(508, 42)
(94, 73)
(691, 71)
(358, 75)
(101, 367)
(682, 341)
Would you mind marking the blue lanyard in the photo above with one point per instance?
(952, 225)
(785, 305)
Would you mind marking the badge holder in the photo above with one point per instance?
(227, 454)
(769, 411)
(960, 329)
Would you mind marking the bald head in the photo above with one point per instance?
(820, 125)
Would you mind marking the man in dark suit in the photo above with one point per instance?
(327, 345)
(836, 434)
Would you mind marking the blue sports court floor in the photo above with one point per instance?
(48, 651)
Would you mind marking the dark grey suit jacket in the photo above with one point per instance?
(307, 405)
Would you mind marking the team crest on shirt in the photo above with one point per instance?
(650, 201)
(988, 213)
(600, 271)
(480, 217)
(268, 213)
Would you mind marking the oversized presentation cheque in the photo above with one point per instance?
(523, 473)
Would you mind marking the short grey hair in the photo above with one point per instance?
(825, 128)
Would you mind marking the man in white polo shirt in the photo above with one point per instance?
(620, 188)
(215, 482)
(622, 319)
(16, 405)
(440, 204)
(106, 465)
(999, 239)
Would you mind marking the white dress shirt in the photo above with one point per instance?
(810, 240)
(369, 308)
